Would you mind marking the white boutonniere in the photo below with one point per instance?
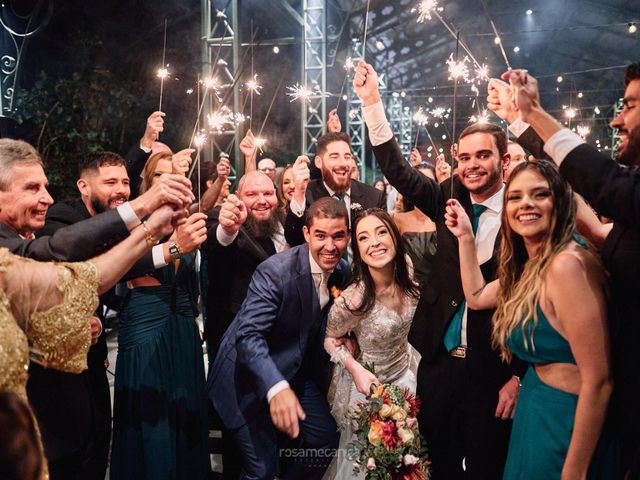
(356, 206)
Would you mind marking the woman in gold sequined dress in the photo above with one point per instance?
(45, 308)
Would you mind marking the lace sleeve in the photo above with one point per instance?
(341, 322)
(60, 337)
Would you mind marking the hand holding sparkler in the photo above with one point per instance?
(443, 169)
(525, 92)
(301, 177)
(155, 126)
(500, 100)
(233, 214)
(365, 84)
(415, 158)
(223, 169)
(249, 149)
(333, 123)
(180, 161)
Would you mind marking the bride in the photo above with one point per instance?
(378, 307)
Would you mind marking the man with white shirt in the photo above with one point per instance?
(468, 394)
(268, 374)
(334, 159)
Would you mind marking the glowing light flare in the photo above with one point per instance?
(458, 70)
(425, 9)
(200, 139)
(482, 118)
(210, 83)
(253, 85)
(570, 113)
(298, 91)
(163, 73)
(482, 73)
(348, 64)
(421, 117)
(583, 131)
(224, 119)
(260, 142)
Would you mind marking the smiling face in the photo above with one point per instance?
(375, 242)
(287, 184)
(258, 194)
(629, 117)
(327, 239)
(529, 207)
(480, 165)
(106, 189)
(24, 205)
(335, 164)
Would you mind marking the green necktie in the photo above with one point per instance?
(453, 335)
(340, 196)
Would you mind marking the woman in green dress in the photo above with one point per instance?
(550, 300)
(160, 411)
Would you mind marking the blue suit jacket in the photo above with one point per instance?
(269, 337)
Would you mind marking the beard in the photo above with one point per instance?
(327, 176)
(630, 156)
(492, 178)
(262, 228)
(99, 206)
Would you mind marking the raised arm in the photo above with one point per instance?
(478, 294)
(423, 192)
(250, 151)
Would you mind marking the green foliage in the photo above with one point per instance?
(67, 118)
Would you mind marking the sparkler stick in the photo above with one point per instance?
(273, 99)
(366, 23)
(162, 73)
(455, 94)
(495, 32)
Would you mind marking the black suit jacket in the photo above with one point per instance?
(135, 161)
(64, 214)
(229, 271)
(73, 243)
(614, 191)
(442, 292)
(361, 193)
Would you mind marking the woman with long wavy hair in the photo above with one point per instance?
(378, 308)
(550, 312)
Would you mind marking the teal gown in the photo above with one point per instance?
(160, 411)
(544, 416)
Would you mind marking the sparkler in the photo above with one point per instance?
(455, 95)
(425, 8)
(481, 118)
(583, 131)
(298, 91)
(364, 37)
(259, 143)
(163, 72)
(458, 70)
(200, 139)
(422, 119)
(348, 66)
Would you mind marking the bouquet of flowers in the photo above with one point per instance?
(388, 444)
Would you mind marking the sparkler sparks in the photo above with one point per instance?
(224, 119)
(458, 70)
(482, 118)
(425, 9)
(583, 131)
(348, 64)
(298, 91)
(210, 83)
(253, 85)
(163, 73)
(200, 139)
(420, 117)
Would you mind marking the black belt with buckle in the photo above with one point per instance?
(459, 352)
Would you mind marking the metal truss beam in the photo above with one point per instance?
(314, 75)
(220, 55)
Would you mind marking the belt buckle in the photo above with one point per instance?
(459, 352)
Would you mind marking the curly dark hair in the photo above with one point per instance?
(632, 72)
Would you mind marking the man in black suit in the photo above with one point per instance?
(468, 394)
(612, 190)
(334, 159)
(24, 204)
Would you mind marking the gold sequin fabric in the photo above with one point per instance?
(61, 336)
(14, 350)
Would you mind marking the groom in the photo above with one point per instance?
(271, 372)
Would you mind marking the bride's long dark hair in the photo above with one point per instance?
(361, 273)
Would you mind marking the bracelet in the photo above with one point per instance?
(518, 380)
(148, 236)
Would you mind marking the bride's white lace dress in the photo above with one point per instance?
(382, 336)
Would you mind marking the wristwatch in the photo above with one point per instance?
(174, 250)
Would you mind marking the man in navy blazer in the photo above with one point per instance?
(271, 373)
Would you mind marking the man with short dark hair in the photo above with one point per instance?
(468, 394)
(267, 375)
(335, 161)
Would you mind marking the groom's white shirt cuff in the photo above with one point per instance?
(276, 389)
(376, 120)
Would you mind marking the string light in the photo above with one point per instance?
(570, 113)
(633, 28)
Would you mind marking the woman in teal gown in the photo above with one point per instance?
(550, 312)
(160, 411)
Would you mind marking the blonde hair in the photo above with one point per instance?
(521, 277)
